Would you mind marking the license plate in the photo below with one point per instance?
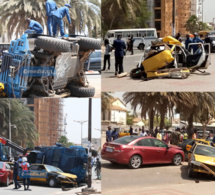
(109, 149)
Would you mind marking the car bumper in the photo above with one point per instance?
(203, 168)
(115, 157)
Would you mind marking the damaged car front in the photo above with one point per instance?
(201, 159)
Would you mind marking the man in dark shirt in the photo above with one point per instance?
(15, 173)
(119, 46)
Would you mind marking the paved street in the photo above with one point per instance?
(46, 190)
(195, 82)
(95, 81)
(153, 180)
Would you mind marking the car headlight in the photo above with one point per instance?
(62, 176)
(196, 163)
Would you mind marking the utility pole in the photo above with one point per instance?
(89, 183)
(202, 10)
(173, 18)
(81, 122)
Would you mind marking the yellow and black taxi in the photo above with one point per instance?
(193, 141)
(201, 159)
(41, 173)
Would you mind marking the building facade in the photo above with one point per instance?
(163, 14)
(49, 119)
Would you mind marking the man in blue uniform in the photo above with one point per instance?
(119, 46)
(34, 25)
(50, 7)
(196, 39)
(58, 16)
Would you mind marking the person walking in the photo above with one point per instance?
(58, 16)
(98, 168)
(119, 46)
(26, 173)
(50, 7)
(15, 173)
(34, 25)
(107, 55)
(131, 130)
(108, 135)
(132, 45)
(159, 135)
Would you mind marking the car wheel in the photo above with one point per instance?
(52, 182)
(7, 182)
(190, 171)
(135, 162)
(177, 159)
(141, 47)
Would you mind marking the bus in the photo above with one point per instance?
(148, 34)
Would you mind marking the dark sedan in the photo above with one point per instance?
(135, 151)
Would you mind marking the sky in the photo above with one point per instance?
(208, 10)
(77, 109)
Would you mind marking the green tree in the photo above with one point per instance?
(130, 118)
(65, 141)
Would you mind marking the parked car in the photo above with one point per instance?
(51, 175)
(6, 175)
(94, 61)
(201, 159)
(136, 150)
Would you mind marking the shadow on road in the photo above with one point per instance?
(198, 176)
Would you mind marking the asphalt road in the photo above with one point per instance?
(95, 81)
(195, 82)
(152, 180)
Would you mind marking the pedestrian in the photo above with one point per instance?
(15, 173)
(108, 135)
(187, 42)
(98, 168)
(159, 135)
(209, 41)
(194, 134)
(185, 136)
(132, 45)
(58, 16)
(119, 46)
(108, 49)
(144, 134)
(131, 130)
(115, 134)
(178, 36)
(34, 25)
(26, 173)
(196, 39)
(50, 7)
(156, 131)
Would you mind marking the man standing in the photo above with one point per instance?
(131, 130)
(132, 45)
(50, 7)
(188, 41)
(58, 16)
(15, 173)
(115, 134)
(119, 46)
(26, 173)
(34, 25)
(108, 135)
(208, 40)
(196, 39)
(98, 168)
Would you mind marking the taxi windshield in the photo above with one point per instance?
(205, 151)
(53, 169)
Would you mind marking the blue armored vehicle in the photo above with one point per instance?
(70, 160)
(38, 65)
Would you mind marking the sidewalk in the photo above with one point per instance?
(96, 184)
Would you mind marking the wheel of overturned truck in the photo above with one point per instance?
(80, 91)
(86, 43)
(53, 44)
(52, 182)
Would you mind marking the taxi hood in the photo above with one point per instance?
(68, 175)
(205, 159)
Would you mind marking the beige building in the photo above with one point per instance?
(49, 119)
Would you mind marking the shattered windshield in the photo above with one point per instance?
(205, 151)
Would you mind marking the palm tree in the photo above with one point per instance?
(106, 102)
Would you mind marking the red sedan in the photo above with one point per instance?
(136, 150)
(6, 175)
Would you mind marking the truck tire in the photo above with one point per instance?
(79, 91)
(40, 55)
(53, 44)
(86, 43)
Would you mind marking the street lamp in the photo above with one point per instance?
(81, 122)
(202, 9)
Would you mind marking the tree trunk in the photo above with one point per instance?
(151, 121)
(72, 27)
(204, 130)
(162, 123)
(190, 126)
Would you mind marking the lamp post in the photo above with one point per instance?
(81, 122)
(202, 9)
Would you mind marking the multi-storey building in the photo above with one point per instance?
(49, 119)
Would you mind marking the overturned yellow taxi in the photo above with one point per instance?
(201, 159)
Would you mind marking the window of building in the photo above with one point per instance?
(157, 14)
(158, 25)
(157, 3)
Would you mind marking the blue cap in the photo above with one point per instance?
(68, 5)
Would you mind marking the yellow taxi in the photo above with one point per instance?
(124, 132)
(201, 141)
(201, 159)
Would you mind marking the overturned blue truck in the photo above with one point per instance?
(41, 66)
